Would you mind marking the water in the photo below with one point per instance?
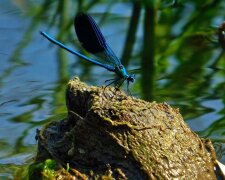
(34, 73)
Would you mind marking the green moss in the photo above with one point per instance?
(44, 170)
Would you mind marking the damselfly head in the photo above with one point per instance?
(131, 78)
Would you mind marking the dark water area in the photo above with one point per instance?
(186, 48)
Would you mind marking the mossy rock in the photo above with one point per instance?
(109, 135)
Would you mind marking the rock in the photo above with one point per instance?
(108, 134)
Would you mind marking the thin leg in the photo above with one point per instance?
(114, 80)
(120, 83)
(109, 80)
(128, 89)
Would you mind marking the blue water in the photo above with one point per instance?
(32, 88)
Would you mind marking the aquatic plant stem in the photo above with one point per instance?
(130, 39)
(148, 65)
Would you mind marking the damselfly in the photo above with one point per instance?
(93, 41)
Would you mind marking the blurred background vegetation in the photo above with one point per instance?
(177, 45)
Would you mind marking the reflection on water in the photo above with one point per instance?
(190, 72)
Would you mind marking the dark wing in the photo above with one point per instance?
(92, 39)
(89, 34)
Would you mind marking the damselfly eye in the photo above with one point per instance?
(131, 78)
(120, 67)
